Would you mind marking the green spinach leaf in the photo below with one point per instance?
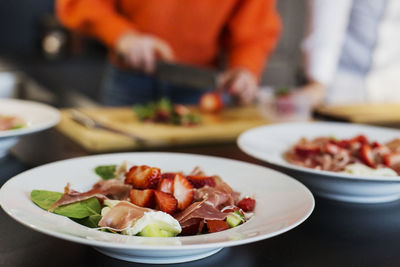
(78, 210)
(106, 172)
(91, 221)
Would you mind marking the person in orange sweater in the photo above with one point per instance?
(184, 31)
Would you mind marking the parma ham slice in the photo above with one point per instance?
(122, 216)
(200, 210)
(112, 189)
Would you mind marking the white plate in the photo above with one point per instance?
(282, 204)
(37, 117)
(269, 143)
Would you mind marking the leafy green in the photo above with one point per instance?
(91, 221)
(78, 210)
(106, 171)
(165, 111)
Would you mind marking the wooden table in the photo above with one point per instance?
(336, 234)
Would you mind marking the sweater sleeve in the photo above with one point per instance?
(98, 18)
(253, 31)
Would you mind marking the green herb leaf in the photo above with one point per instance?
(91, 221)
(45, 199)
(106, 171)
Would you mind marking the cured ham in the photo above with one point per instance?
(10, 122)
(122, 216)
(200, 210)
(112, 189)
(330, 154)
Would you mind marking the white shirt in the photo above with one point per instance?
(353, 47)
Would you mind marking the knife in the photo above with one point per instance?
(203, 79)
(89, 122)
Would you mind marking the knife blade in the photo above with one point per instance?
(89, 122)
(197, 78)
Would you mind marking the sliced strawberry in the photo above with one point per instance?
(247, 204)
(391, 159)
(165, 202)
(367, 156)
(143, 177)
(361, 139)
(183, 191)
(166, 185)
(142, 198)
(200, 181)
(211, 102)
(305, 150)
(332, 149)
(217, 226)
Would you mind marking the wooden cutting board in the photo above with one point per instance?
(224, 127)
(379, 113)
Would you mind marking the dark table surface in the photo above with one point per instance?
(336, 234)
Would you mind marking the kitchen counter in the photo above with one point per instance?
(336, 234)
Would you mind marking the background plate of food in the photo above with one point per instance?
(126, 232)
(20, 117)
(341, 161)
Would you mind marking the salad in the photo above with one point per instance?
(356, 155)
(144, 201)
(166, 112)
(10, 122)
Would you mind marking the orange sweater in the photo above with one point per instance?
(195, 29)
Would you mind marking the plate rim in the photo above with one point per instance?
(24, 131)
(143, 247)
(335, 175)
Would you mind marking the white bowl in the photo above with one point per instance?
(36, 116)
(269, 143)
(282, 204)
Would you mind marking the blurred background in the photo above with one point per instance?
(41, 60)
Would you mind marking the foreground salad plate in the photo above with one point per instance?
(269, 143)
(36, 117)
(282, 204)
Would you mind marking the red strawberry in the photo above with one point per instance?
(247, 204)
(183, 191)
(211, 102)
(217, 226)
(143, 177)
(200, 181)
(165, 202)
(305, 150)
(142, 198)
(367, 156)
(166, 185)
(332, 149)
(391, 159)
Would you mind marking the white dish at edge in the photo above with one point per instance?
(282, 204)
(270, 142)
(37, 117)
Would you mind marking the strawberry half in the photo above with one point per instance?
(200, 181)
(142, 198)
(367, 156)
(391, 159)
(166, 185)
(211, 102)
(165, 202)
(143, 177)
(183, 191)
(217, 226)
(247, 204)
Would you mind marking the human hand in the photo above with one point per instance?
(141, 51)
(314, 91)
(241, 83)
